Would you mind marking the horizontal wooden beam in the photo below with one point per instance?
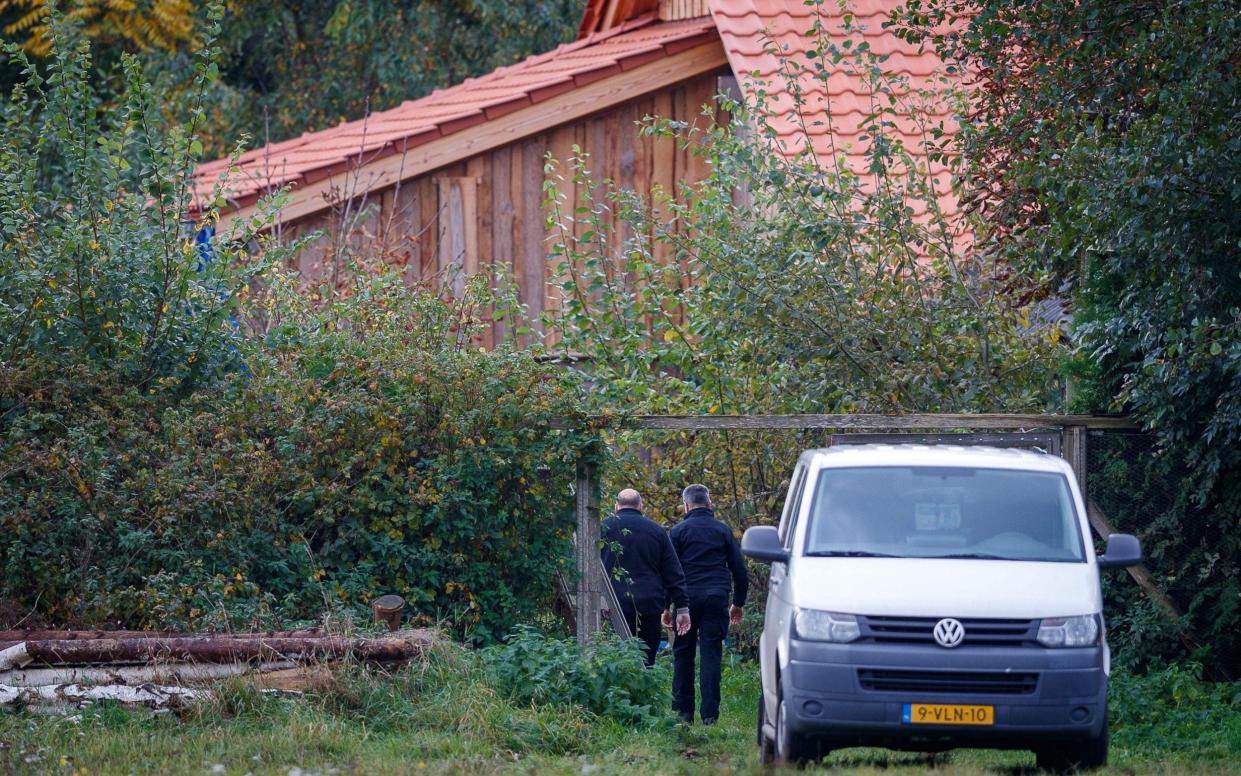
(307, 199)
(845, 421)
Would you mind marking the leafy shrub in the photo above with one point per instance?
(1175, 707)
(608, 677)
(1103, 145)
(349, 465)
(184, 442)
(97, 264)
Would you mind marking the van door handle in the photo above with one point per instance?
(773, 582)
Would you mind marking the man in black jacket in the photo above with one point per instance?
(713, 568)
(644, 571)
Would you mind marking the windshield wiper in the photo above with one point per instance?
(971, 556)
(848, 554)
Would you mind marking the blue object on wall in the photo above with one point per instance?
(206, 249)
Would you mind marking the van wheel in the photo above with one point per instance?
(1077, 756)
(791, 748)
(766, 750)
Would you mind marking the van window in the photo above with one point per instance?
(935, 512)
(791, 506)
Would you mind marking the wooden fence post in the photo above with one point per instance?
(589, 577)
(1073, 448)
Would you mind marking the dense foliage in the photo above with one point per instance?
(128, 25)
(1106, 148)
(97, 266)
(756, 295)
(291, 66)
(608, 677)
(338, 472)
(186, 442)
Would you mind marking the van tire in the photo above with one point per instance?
(766, 748)
(1077, 756)
(791, 748)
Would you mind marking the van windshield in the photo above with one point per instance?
(936, 512)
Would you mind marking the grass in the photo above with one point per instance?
(447, 717)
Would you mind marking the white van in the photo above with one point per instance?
(930, 597)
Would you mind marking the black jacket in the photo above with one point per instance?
(649, 573)
(710, 556)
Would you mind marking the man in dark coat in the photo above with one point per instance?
(714, 569)
(644, 571)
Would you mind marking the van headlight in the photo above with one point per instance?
(1082, 631)
(814, 625)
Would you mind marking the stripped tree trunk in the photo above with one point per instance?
(210, 649)
(72, 694)
(168, 674)
(11, 638)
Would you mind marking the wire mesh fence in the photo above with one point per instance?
(1142, 492)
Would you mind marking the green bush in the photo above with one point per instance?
(342, 468)
(609, 677)
(1103, 145)
(186, 442)
(97, 263)
(1175, 705)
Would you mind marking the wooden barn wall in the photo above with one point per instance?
(487, 211)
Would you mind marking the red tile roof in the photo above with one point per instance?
(748, 30)
(835, 110)
(316, 155)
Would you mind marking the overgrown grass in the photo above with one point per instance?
(450, 716)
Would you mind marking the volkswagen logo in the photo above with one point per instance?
(949, 633)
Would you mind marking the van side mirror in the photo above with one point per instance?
(762, 542)
(1123, 550)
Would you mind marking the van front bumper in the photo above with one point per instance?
(856, 694)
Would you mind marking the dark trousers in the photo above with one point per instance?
(708, 627)
(645, 626)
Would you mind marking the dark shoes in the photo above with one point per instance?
(688, 719)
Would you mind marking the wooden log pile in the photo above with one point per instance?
(167, 670)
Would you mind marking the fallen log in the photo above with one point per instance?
(167, 674)
(148, 695)
(11, 638)
(400, 646)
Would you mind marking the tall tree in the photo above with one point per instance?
(290, 66)
(1106, 146)
(131, 25)
(298, 65)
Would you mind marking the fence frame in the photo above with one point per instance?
(1072, 429)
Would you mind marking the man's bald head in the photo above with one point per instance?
(628, 499)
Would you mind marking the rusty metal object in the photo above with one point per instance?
(387, 609)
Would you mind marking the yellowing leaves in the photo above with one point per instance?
(151, 24)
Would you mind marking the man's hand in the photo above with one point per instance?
(682, 623)
(734, 615)
(665, 619)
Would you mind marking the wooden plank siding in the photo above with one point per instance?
(486, 213)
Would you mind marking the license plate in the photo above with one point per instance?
(947, 714)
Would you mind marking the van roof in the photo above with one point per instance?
(980, 456)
